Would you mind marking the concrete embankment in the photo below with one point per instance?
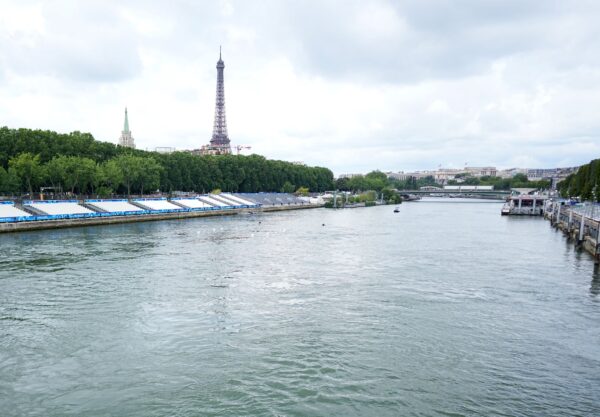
(98, 221)
(580, 227)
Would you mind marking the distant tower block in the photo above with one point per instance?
(219, 143)
(126, 139)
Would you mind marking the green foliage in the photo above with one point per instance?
(138, 172)
(302, 191)
(287, 187)
(413, 183)
(391, 195)
(4, 182)
(9, 182)
(28, 169)
(216, 191)
(104, 191)
(76, 162)
(367, 196)
(518, 181)
(375, 180)
(584, 184)
(378, 181)
(71, 173)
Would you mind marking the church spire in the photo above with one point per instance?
(126, 139)
(126, 126)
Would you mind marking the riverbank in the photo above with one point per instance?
(580, 227)
(99, 221)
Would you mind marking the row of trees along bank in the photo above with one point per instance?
(378, 181)
(585, 183)
(76, 162)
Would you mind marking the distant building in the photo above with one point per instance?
(219, 143)
(537, 174)
(511, 172)
(443, 175)
(403, 176)
(482, 171)
(126, 139)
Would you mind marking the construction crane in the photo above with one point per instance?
(238, 148)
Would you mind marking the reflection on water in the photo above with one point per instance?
(595, 287)
(441, 309)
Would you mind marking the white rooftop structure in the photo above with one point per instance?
(58, 207)
(157, 204)
(212, 201)
(8, 209)
(191, 202)
(113, 205)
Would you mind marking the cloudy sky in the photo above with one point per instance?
(351, 85)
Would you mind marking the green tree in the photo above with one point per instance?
(110, 176)
(28, 169)
(148, 176)
(130, 167)
(5, 183)
(302, 191)
(56, 170)
(287, 187)
(391, 195)
(178, 171)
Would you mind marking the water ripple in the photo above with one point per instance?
(447, 310)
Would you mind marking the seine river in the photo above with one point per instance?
(443, 309)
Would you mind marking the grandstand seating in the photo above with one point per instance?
(112, 206)
(157, 204)
(53, 207)
(237, 200)
(191, 202)
(212, 201)
(273, 199)
(67, 209)
(8, 209)
(229, 201)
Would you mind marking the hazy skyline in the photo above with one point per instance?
(350, 85)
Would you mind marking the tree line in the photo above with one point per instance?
(79, 164)
(379, 181)
(585, 183)
(517, 181)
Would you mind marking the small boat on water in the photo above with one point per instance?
(397, 210)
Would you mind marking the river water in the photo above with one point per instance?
(445, 308)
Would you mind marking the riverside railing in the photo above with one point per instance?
(580, 222)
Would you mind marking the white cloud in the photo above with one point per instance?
(352, 85)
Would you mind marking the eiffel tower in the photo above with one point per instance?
(219, 143)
